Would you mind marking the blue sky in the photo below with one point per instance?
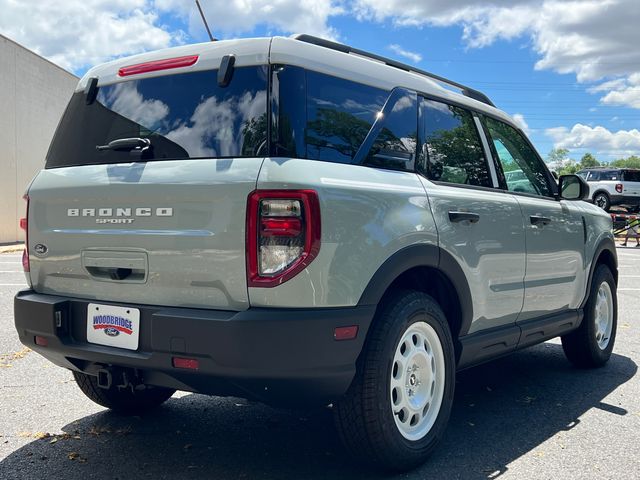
(569, 71)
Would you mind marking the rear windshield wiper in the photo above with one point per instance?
(139, 144)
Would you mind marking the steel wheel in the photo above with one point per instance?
(417, 381)
(603, 315)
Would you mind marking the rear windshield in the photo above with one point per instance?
(184, 116)
(631, 175)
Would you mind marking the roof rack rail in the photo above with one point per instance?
(466, 91)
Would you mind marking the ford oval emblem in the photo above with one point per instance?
(40, 249)
(112, 332)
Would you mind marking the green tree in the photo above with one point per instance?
(588, 160)
(630, 162)
(558, 155)
(569, 169)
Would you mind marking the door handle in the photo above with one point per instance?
(456, 217)
(539, 221)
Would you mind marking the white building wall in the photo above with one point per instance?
(33, 95)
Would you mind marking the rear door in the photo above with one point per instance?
(163, 222)
(555, 235)
(478, 225)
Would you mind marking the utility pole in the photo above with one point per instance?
(206, 25)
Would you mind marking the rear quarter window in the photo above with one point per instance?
(631, 175)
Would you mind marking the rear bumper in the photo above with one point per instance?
(281, 356)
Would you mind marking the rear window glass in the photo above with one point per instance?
(631, 175)
(184, 116)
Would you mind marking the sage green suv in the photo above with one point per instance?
(296, 221)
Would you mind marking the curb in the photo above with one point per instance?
(11, 248)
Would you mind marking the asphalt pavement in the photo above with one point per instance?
(527, 416)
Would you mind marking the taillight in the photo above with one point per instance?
(283, 235)
(619, 187)
(156, 65)
(24, 225)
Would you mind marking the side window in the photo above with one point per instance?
(523, 169)
(340, 114)
(396, 133)
(451, 149)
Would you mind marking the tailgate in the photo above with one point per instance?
(631, 182)
(157, 233)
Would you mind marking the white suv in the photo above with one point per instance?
(613, 186)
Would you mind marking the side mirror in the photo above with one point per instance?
(573, 187)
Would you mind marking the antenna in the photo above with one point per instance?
(206, 25)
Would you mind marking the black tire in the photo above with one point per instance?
(122, 400)
(602, 200)
(364, 417)
(581, 346)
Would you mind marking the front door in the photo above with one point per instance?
(554, 230)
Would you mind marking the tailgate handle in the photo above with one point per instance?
(116, 266)
(114, 273)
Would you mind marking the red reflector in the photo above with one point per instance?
(188, 363)
(23, 224)
(40, 341)
(165, 64)
(281, 227)
(25, 260)
(345, 333)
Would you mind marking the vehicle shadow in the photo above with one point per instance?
(502, 410)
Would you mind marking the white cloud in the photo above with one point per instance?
(413, 56)
(231, 17)
(598, 138)
(129, 102)
(218, 122)
(622, 92)
(520, 121)
(593, 39)
(78, 33)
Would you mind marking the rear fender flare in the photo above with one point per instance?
(421, 256)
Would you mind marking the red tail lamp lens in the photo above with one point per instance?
(283, 235)
(24, 225)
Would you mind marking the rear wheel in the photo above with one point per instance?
(591, 345)
(123, 400)
(397, 408)
(602, 200)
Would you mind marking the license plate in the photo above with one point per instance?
(113, 326)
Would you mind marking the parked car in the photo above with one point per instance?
(296, 221)
(613, 186)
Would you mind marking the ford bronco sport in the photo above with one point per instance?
(295, 221)
(613, 186)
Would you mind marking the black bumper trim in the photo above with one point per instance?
(282, 356)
